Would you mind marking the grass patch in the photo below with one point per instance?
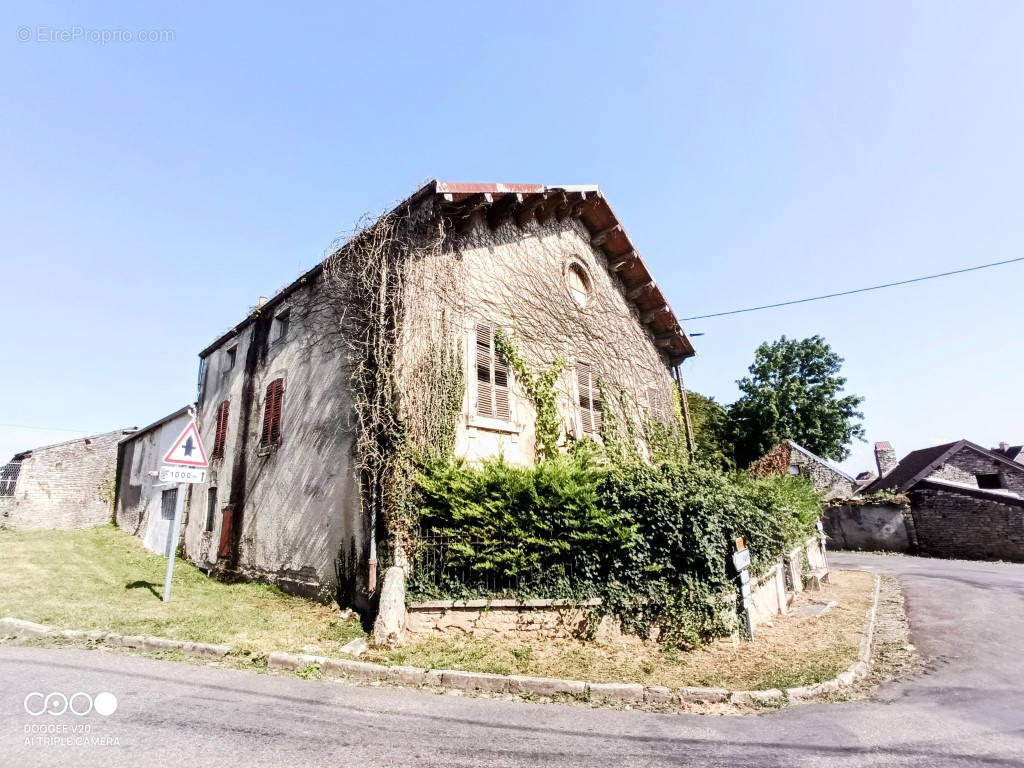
(796, 651)
(103, 578)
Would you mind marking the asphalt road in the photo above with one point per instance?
(968, 710)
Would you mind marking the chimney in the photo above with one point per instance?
(262, 301)
(1004, 447)
(885, 457)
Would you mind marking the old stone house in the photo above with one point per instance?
(397, 339)
(790, 458)
(952, 500)
(65, 485)
(145, 506)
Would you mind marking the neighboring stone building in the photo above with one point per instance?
(144, 505)
(287, 395)
(67, 485)
(793, 459)
(964, 501)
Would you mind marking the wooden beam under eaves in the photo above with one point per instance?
(619, 261)
(502, 210)
(600, 238)
(665, 340)
(547, 208)
(524, 213)
(572, 206)
(640, 290)
(647, 317)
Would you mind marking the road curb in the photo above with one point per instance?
(10, 626)
(483, 682)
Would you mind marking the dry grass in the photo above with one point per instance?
(103, 578)
(796, 651)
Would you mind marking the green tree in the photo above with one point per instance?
(710, 421)
(794, 391)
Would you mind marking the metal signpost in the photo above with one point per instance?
(184, 463)
(741, 564)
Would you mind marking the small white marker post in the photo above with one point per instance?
(184, 463)
(173, 543)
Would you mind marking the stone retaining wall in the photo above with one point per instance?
(550, 619)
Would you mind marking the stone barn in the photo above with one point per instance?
(144, 505)
(401, 341)
(789, 458)
(66, 485)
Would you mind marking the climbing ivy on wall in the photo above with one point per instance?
(540, 388)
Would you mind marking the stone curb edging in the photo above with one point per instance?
(484, 682)
(618, 693)
(22, 628)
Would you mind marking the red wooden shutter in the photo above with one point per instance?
(225, 532)
(272, 413)
(222, 429)
(275, 427)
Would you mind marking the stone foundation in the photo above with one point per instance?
(543, 619)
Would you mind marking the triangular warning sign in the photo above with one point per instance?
(188, 449)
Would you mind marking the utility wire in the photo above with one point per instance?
(856, 290)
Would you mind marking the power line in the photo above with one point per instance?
(856, 290)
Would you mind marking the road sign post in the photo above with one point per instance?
(184, 463)
(741, 566)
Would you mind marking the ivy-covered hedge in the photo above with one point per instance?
(649, 538)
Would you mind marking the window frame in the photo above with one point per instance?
(497, 367)
(211, 509)
(588, 393)
(221, 430)
(281, 325)
(273, 408)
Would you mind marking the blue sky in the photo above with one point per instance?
(755, 152)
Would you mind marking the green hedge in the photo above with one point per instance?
(651, 539)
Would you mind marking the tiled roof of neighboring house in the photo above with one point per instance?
(815, 457)
(917, 464)
(1012, 452)
(499, 203)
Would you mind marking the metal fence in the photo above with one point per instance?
(444, 562)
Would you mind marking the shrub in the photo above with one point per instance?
(652, 539)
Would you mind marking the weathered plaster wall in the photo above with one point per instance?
(295, 506)
(68, 485)
(516, 279)
(962, 525)
(886, 527)
(139, 490)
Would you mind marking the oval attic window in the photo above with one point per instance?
(579, 284)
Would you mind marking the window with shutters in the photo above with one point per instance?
(492, 397)
(221, 435)
(272, 414)
(591, 406)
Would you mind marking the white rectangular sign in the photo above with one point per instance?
(741, 559)
(171, 474)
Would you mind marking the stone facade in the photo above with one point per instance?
(67, 485)
(968, 463)
(292, 512)
(953, 522)
(790, 458)
(141, 506)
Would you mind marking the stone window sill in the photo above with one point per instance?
(492, 425)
